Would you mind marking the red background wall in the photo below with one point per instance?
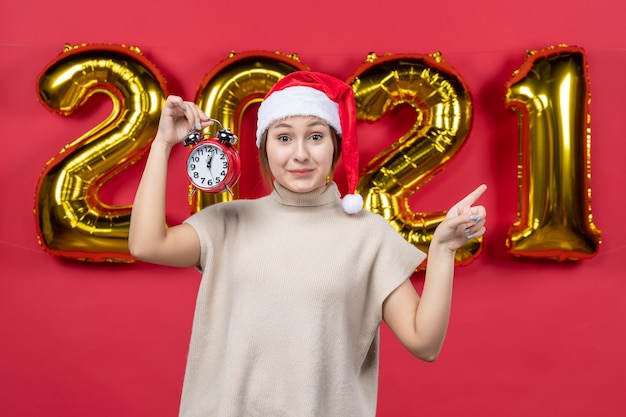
(527, 338)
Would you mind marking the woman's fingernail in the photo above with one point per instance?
(198, 125)
(184, 106)
(474, 217)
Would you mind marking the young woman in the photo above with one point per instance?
(295, 284)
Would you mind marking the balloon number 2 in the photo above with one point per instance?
(71, 220)
(554, 222)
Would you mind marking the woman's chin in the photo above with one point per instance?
(302, 185)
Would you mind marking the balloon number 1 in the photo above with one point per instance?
(550, 93)
(554, 223)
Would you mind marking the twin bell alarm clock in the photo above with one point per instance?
(213, 163)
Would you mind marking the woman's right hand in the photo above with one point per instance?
(178, 118)
(148, 238)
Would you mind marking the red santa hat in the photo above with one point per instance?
(307, 93)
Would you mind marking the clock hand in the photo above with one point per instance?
(208, 165)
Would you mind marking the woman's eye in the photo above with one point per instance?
(316, 137)
(283, 138)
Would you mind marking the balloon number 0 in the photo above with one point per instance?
(554, 222)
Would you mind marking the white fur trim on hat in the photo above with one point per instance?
(296, 101)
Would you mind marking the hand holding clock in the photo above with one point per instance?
(178, 118)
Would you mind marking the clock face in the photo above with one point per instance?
(207, 166)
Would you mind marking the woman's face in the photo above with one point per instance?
(300, 152)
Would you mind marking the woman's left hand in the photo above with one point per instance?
(462, 222)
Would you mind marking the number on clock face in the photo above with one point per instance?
(207, 166)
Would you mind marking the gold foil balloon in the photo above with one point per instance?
(443, 106)
(231, 88)
(550, 94)
(71, 220)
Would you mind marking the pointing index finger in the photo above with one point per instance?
(472, 197)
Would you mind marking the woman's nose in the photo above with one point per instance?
(301, 153)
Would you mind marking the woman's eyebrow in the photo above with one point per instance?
(283, 124)
(316, 122)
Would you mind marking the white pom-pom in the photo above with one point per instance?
(352, 203)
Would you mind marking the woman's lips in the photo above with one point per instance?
(301, 172)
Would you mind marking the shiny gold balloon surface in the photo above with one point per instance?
(443, 106)
(72, 222)
(231, 88)
(550, 94)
